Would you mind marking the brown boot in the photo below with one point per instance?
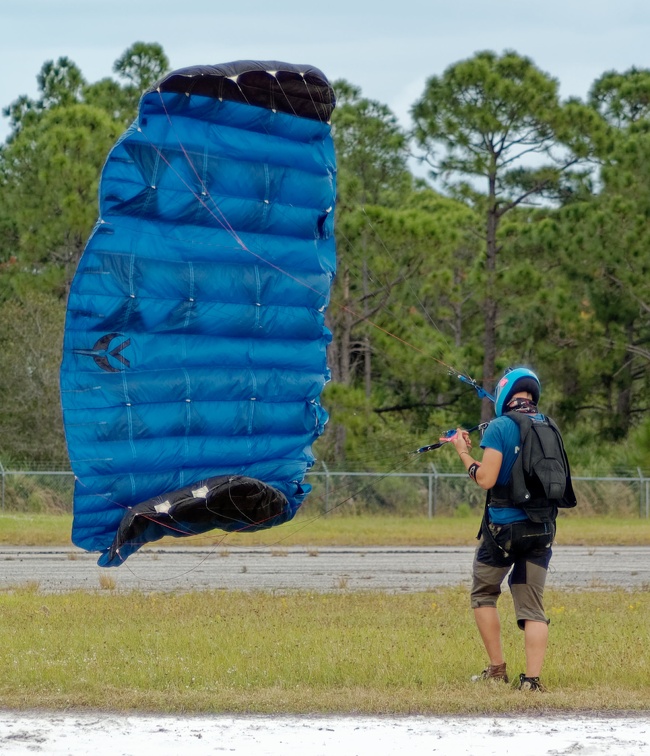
(493, 672)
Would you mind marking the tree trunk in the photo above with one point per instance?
(621, 424)
(345, 332)
(367, 355)
(490, 305)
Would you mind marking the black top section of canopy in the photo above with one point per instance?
(299, 90)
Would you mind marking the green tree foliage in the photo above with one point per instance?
(392, 241)
(119, 102)
(371, 149)
(602, 241)
(142, 65)
(48, 184)
(622, 98)
(491, 127)
(61, 84)
(384, 243)
(381, 253)
(371, 154)
(607, 241)
(30, 355)
(50, 166)
(537, 252)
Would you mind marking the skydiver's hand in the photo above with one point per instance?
(461, 440)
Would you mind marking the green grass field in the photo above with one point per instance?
(368, 530)
(310, 653)
(302, 653)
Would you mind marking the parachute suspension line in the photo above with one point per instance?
(366, 319)
(219, 540)
(225, 224)
(235, 80)
(448, 436)
(286, 97)
(295, 528)
(188, 571)
(460, 375)
(313, 102)
(222, 220)
(185, 530)
(408, 457)
(221, 217)
(172, 526)
(482, 393)
(424, 310)
(357, 492)
(162, 510)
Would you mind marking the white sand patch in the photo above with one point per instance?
(114, 735)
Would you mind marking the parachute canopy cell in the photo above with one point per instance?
(195, 342)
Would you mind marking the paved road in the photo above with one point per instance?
(327, 569)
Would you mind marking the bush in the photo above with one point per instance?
(38, 493)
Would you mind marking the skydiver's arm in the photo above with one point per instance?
(488, 471)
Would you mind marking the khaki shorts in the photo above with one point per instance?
(526, 559)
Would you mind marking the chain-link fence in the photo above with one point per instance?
(427, 493)
(434, 493)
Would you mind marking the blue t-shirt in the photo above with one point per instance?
(502, 434)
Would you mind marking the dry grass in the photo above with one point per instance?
(107, 582)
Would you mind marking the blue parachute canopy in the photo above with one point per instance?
(195, 343)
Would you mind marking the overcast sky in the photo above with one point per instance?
(387, 48)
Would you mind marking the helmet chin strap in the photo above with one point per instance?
(520, 404)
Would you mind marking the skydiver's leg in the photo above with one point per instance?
(535, 642)
(527, 582)
(489, 627)
(486, 589)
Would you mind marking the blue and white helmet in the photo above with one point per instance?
(513, 381)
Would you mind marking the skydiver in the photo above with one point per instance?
(510, 541)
